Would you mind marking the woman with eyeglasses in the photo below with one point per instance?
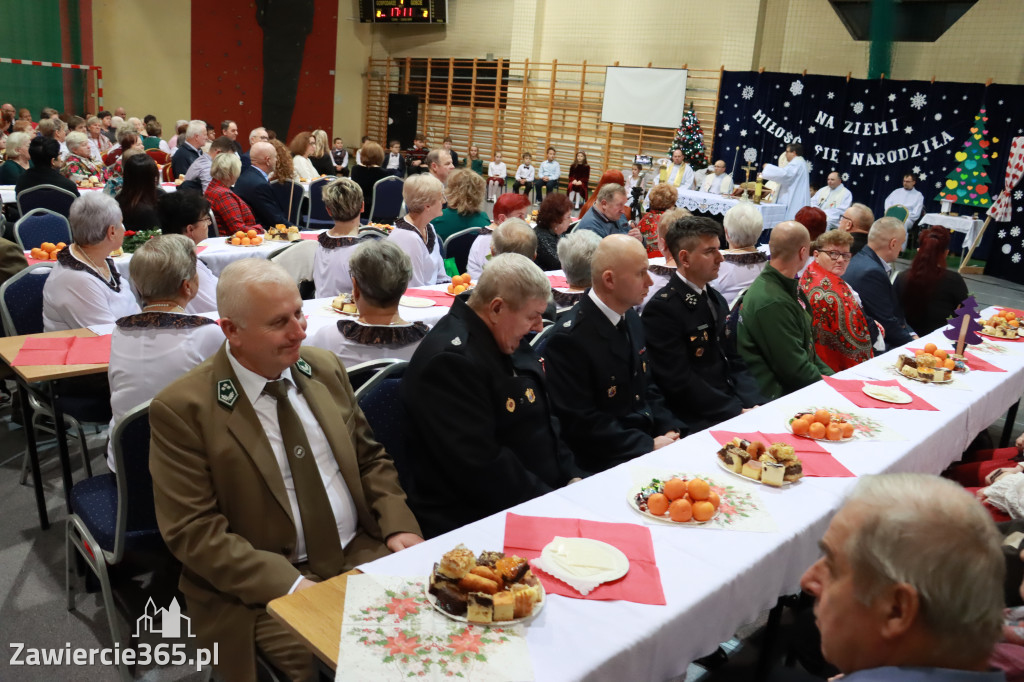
(842, 337)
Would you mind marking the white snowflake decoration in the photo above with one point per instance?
(812, 129)
(892, 97)
(917, 169)
(750, 155)
(1018, 194)
(938, 117)
(1007, 248)
(726, 127)
(858, 107)
(845, 176)
(1014, 231)
(1015, 258)
(831, 95)
(908, 130)
(887, 178)
(918, 101)
(810, 166)
(1002, 234)
(938, 185)
(796, 87)
(785, 104)
(922, 176)
(743, 133)
(748, 92)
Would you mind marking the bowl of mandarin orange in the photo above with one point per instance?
(247, 238)
(821, 425)
(47, 251)
(678, 499)
(459, 284)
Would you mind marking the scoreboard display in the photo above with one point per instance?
(403, 11)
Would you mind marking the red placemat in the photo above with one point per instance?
(89, 350)
(526, 536)
(852, 390)
(309, 236)
(558, 281)
(438, 297)
(974, 363)
(92, 350)
(816, 460)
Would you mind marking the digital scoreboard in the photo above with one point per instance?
(403, 11)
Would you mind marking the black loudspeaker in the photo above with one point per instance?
(403, 113)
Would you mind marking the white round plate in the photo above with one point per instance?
(872, 391)
(631, 500)
(926, 381)
(497, 624)
(415, 302)
(609, 555)
(1000, 338)
(789, 427)
(750, 480)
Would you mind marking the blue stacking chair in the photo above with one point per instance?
(386, 203)
(457, 246)
(380, 402)
(41, 225)
(54, 198)
(319, 218)
(113, 514)
(364, 371)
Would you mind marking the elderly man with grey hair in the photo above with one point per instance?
(439, 163)
(163, 272)
(857, 220)
(502, 445)
(189, 150)
(84, 288)
(239, 503)
(514, 236)
(868, 274)
(910, 586)
(380, 273)
(605, 216)
(575, 252)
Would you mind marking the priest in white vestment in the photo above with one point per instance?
(909, 197)
(679, 175)
(833, 199)
(717, 182)
(794, 186)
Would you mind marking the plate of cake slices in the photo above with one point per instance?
(345, 304)
(925, 368)
(484, 588)
(775, 465)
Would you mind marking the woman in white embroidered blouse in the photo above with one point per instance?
(380, 274)
(424, 196)
(343, 199)
(301, 146)
(163, 271)
(84, 288)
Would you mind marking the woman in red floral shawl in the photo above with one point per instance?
(842, 337)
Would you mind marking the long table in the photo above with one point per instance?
(717, 204)
(715, 581)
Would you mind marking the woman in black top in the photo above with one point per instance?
(321, 157)
(553, 218)
(371, 155)
(929, 291)
(139, 193)
(43, 151)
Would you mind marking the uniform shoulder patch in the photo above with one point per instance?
(227, 394)
(304, 367)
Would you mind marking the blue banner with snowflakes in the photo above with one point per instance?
(872, 132)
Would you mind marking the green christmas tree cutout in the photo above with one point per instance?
(967, 183)
(690, 139)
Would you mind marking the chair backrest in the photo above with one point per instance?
(167, 172)
(540, 340)
(283, 191)
(386, 204)
(898, 211)
(21, 300)
(359, 374)
(318, 215)
(732, 324)
(379, 399)
(159, 155)
(458, 245)
(374, 231)
(297, 258)
(54, 198)
(41, 225)
(136, 513)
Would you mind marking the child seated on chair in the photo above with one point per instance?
(525, 175)
(496, 176)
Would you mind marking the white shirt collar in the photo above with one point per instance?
(612, 316)
(252, 383)
(699, 290)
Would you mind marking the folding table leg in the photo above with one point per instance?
(1011, 417)
(61, 432)
(33, 455)
(766, 657)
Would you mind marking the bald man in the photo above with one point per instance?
(868, 274)
(857, 220)
(833, 199)
(774, 333)
(598, 367)
(718, 181)
(253, 185)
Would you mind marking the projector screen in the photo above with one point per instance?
(644, 97)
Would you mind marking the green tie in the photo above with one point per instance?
(323, 546)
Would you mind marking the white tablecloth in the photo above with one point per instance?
(716, 204)
(7, 191)
(717, 580)
(964, 224)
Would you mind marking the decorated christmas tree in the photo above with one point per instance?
(964, 327)
(967, 183)
(690, 139)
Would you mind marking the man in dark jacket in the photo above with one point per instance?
(477, 404)
(868, 275)
(253, 186)
(703, 381)
(599, 368)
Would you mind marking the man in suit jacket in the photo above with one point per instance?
(868, 274)
(703, 379)
(249, 516)
(599, 368)
(477, 400)
(394, 161)
(186, 153)
(254, 187)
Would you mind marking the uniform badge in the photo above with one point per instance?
(304, 367)
(567, 324)
(645, 367)
(699, 352)
(510, 405)
(226, 393)
(665, 295)
(691, 300)
(611, 392)
(458, 342)
(530, 395)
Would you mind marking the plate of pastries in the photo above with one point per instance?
(484, 588)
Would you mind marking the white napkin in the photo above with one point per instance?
(582, 563)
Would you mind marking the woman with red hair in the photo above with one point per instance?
(610, 176)
(930, 292)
